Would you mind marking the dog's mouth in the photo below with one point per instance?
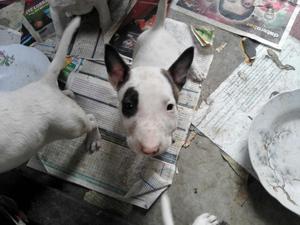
(150, 153)
(141, 148)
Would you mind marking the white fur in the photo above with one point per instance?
(39, 113)
(20, 222)
(203, 219)
(61, 10)
(156, 47)
(206, 219)
(153, 124)
(166, 210)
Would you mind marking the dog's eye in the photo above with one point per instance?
(170, 107)
(128, 106)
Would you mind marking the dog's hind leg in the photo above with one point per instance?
(93, 139)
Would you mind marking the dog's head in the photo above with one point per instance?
(148, 97)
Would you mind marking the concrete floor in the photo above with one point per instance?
(205, 182)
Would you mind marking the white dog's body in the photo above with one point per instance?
(39, 113)
(148, 91)
(62, 10)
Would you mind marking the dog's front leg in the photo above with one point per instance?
(93, 139)
(104, 14)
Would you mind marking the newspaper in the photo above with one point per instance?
(37, 22)
(89, 41)
(11, 15)
(295, 31)
(115, 170)
(47, 47)
(227, 114)
(266, 21)
(11, 18)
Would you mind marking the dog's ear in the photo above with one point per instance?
(116, 68)
(180, 67)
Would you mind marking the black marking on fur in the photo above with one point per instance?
(130, 102)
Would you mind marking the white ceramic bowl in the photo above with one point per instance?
(274, 148)
(20, 65)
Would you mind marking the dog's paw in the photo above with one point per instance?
(206, 219)
(93, 141)
(94, 146)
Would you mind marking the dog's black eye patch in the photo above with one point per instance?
(130, 102)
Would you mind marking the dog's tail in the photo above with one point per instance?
(161, 14)
(166, 210)
(59, 60)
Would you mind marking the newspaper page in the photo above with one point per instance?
(266, 21)
(115, 170)
(11, 15)
(37, 22)
(227, 114)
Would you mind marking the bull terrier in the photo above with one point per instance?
(148, 91)
(39, 113)
(62, 10)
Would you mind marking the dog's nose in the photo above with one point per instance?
(149, 150)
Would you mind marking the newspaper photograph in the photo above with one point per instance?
(37, 22)
(265, 21)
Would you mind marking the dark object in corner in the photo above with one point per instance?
(10, 213)
(248, 48)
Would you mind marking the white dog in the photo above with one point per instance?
(62, 10)
(204, 219)
(39, 113)
(148, 91)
